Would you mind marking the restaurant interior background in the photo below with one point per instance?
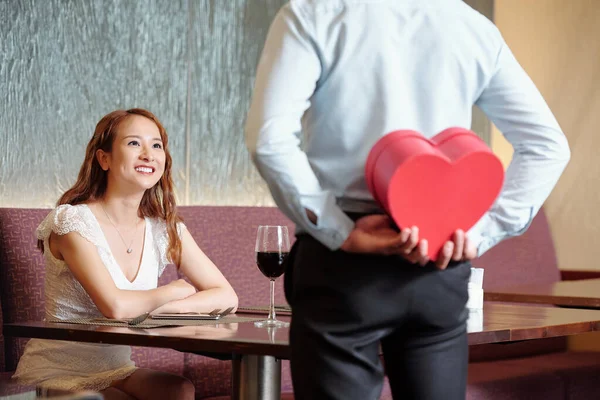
(64, 64)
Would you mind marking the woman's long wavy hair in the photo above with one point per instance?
(157, 202)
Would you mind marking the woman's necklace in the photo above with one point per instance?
(129, 248)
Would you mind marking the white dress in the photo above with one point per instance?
(85, 366)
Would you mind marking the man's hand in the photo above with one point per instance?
(460, 248)
(374, 234)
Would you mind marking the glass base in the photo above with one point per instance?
(271, 323)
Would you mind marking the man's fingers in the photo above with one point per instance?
(394, 245)
(419, 254)
(422, 252)
(405, 234)
(412, 242)
(400, 239)
(459, 245)
(470, 251)
(445, 255)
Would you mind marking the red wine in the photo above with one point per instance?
(271, 263)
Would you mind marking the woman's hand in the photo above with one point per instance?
(182, 288)
(81, 256)
(213, 290)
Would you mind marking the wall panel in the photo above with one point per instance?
(226, 41)
(63, 65)
(66, 63)
(556, 42)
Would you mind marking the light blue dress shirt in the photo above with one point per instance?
(344, 73)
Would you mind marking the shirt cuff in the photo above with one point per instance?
(490, 231)
(333, 225)
(476, 234)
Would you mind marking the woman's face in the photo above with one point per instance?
(137, 158)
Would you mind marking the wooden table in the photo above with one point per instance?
(256, 351)
(583, 293)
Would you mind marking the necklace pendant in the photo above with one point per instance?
(129, 250)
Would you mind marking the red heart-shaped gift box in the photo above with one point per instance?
(439, 185)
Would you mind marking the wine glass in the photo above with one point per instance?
(272, 249)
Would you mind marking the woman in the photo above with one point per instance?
(105, 245)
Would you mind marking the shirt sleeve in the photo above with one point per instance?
(287, 76)
(541, 151)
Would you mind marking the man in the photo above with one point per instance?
(344, 73)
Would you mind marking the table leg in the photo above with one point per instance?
(256, 378)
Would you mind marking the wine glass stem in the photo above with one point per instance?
(272, 304)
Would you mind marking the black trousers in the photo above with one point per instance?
(345, 306)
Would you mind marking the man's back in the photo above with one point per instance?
(346, 72)
(387, 65)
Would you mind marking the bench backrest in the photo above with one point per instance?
(228, 236)
(529, 258)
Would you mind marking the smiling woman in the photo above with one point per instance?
(105, 245)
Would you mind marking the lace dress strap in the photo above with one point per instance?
(67, 218)
(161, 240)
